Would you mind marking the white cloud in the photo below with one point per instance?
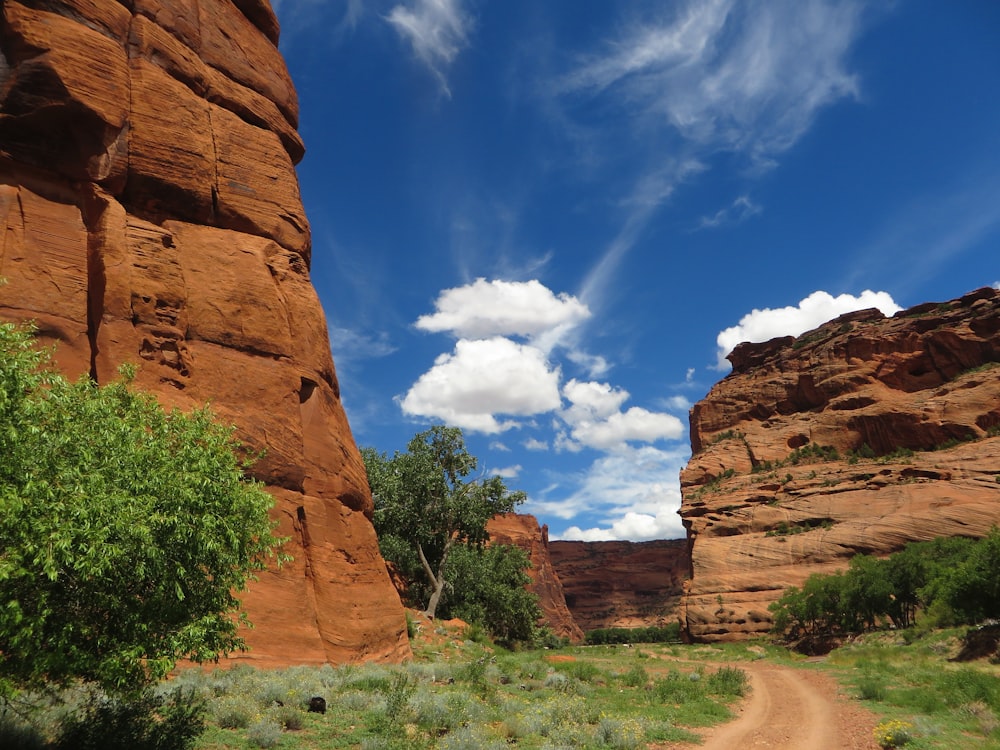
(631, 494)
(482, 378)
(437, 30)
(742, 76)
(496, 445)
(739, 211)
(816, 309)
(636, 424)
(678, 403)
(532, 444)
(595, 365)
(590, 401)
(508, 472)
(503, 308)
(709, 76)
(636, 527)
(596, 420)
(996, 284)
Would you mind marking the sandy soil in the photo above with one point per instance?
(792, 709)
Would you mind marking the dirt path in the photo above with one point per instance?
(793, 709)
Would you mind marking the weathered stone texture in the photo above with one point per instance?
(761, 517)
(150, 213)
(622, 584)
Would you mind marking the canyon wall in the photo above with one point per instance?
(523, 531)
(151, 214)
(622, 584)
(857, 437)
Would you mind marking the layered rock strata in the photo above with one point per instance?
(151, 214)
(622, 584)
(524, 531)
(857, 437)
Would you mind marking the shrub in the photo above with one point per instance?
(872, 688)
(264, 733)
(675, 688)
(232, 712)
(635, 677)
(893, 733)
(16, 735)
(623, 734)
(145, 722)
(729, 681)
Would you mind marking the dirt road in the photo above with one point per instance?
(793, 709)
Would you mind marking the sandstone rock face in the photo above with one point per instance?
(523, 531)
(773, 493)
(151, 214)
(622, 584)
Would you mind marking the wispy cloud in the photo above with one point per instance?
(739, 211)
(745, 77)
(934, 230)
(437, 30)
(351, 346)
(335, 19)
(814, 310)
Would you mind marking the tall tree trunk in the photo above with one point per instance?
(437, 580)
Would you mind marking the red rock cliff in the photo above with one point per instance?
(622, 584)
(523, 530)
(766, 500)
(151, 214)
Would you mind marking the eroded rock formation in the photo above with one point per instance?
(622, 584)
(858, 437)
(523, 530)
(151, 214)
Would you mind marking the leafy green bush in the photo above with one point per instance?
(729, 681)
(127, 530)
(145, 722)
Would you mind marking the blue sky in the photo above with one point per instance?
(548, 222)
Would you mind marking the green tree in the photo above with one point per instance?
(425, 504)
(488, 586)
(972, 589)
(126, 531)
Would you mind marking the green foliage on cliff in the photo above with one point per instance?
(125, 531)
(950, 580)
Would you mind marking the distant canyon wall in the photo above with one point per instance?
(151, 214)
(622, 584)
(857, 437)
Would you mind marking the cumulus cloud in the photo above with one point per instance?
(483, 378)
(996, 284)
(508, 472)
(596, 420)
(437, 30)
(591, 401)
(814, 310)
(503, 308)
(636, 424)
(533, 444)
(634, 493)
